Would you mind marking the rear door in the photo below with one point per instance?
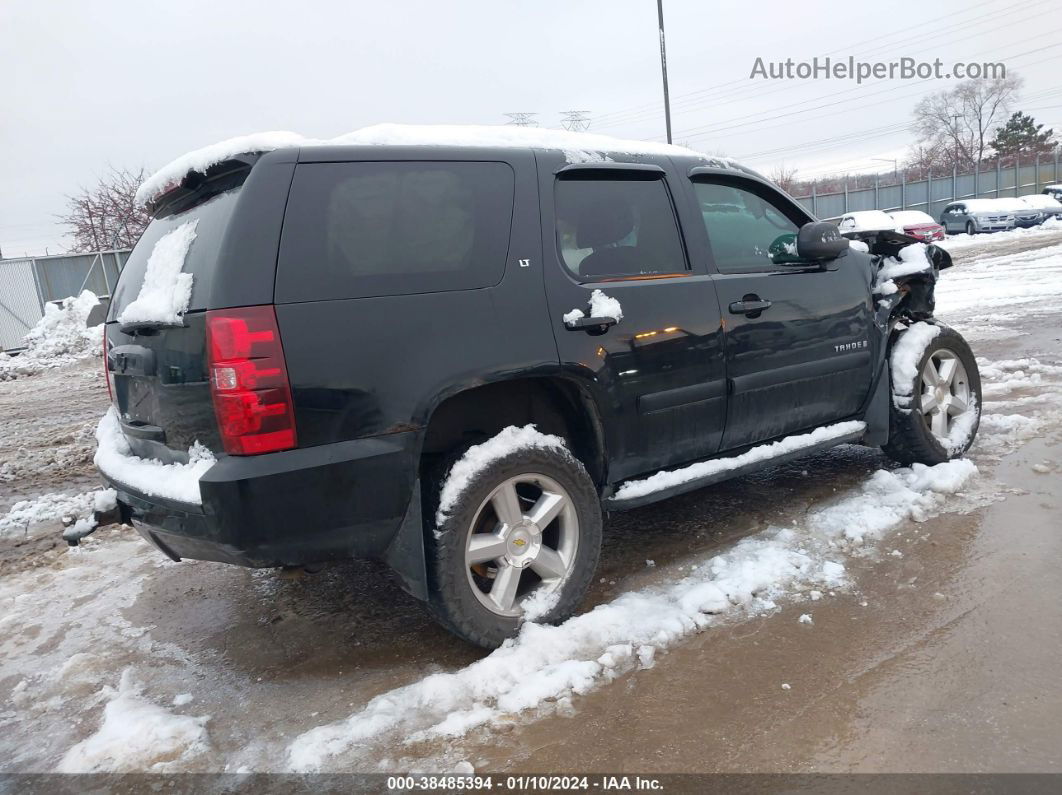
(657, 375)
(222, 234)
(158, 370)
(797, 337)
(954, 218)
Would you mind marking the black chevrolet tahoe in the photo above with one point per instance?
(457, 359)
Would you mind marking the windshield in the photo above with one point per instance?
(213, 217)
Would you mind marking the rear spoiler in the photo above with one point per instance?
(196, 186)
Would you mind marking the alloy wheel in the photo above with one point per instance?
(945, 391)
(523, 541)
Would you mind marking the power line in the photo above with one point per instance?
(714, 129)
(618, 117)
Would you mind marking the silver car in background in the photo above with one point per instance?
(978, 215)
(1046, 206)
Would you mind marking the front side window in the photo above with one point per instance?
(746, 232)
(617, 228)
(355, 230)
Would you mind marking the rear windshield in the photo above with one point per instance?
(355, 230)
(213, 216)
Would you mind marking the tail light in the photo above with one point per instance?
(249, 381)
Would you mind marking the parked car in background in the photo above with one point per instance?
(918, 224)
(1054, 191)
(1025, 216)
(867, 221)
(1046, 206)
(977, 215)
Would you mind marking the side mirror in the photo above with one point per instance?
(820, 241)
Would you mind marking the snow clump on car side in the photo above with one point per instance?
(906, 354)
(166, 290)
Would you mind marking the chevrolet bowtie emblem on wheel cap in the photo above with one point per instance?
(519, 542)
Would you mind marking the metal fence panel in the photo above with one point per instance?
(20, 304)
(917, 194)
(932, 195)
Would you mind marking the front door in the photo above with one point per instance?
(798, 348)
(657, 374)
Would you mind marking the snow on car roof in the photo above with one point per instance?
(989, 205)
(578, 147)
(1041, 201)
(866, 221)
(912, 217)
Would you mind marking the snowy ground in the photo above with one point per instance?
(115, 659)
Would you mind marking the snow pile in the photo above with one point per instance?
(601, 305)
(550, 663)
(166, 291)
(77, 510)
(136, 736)
(903, 363)
(60, 337)
(888, 498)
(790, 444)
(545, 666)
(577, 147)
(480, 456)
(153, 478)
(1001, 290)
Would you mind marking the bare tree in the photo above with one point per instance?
(784, 177)
(962, 120)
(105, 216)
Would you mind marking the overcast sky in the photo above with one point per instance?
(88, 85)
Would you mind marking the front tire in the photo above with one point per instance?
(524, 532)
(944, 410)
(970, 228)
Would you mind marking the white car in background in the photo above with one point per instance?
(868, 221)
(1054, 191)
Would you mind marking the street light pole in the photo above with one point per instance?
(663, 67)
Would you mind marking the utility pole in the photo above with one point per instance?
(575, 120)
(663, 67)
(522, 119)
(955, 121)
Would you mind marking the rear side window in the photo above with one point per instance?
(355, 230)
(617, 228)
(213, 217)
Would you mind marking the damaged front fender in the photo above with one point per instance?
(913, 296)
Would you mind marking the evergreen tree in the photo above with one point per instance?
(1022, 135)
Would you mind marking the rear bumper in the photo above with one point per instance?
(331, 502)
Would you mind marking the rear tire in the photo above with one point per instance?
(528, 525)
(937, 426)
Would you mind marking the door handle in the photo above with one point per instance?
(750, 306)
(591, 324)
